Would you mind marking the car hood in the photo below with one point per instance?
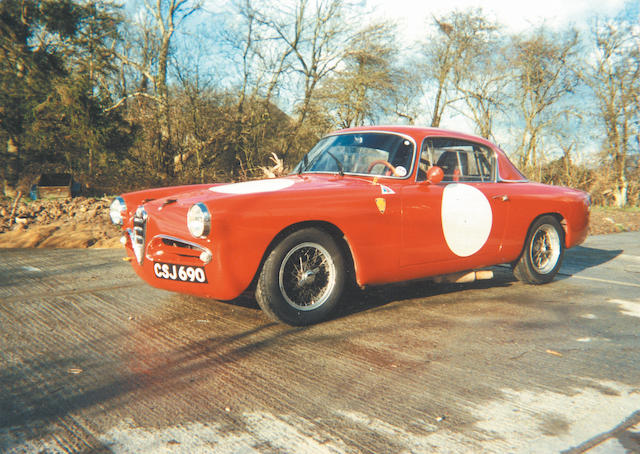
(273, 188)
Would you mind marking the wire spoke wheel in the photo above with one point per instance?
(545, 249)
(303, 278)
(543, 252)
(307, 276)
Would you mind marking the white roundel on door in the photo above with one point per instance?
(466, 219)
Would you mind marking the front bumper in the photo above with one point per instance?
(155, 236)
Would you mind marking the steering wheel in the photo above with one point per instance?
(384, 163)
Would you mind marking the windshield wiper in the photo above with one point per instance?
(340, 169)
(304, 164)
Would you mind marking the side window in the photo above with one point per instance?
(460, 160)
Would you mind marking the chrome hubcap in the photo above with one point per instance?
(308, 277)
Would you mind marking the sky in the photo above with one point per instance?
(516, 15)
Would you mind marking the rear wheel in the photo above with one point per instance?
(543, 252)
(302, 279)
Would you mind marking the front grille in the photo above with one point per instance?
(169, 241)
(139, 232)
(167, 248)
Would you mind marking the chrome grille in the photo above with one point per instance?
(139, 232)
(175, 242)
(199, 251)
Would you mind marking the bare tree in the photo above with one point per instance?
(459, 38)
(360, 90)
(272, 53)
(314, 33)
(613, 73)
(260, 59)
(245, 40)
(157, 24)
(480, 78)
(542, 65)
(196, 114)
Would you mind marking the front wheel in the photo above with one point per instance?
(302, 279)
(543, 252)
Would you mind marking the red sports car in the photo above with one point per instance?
(373, 205)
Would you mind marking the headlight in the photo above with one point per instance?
(118, 206)
(199, 220)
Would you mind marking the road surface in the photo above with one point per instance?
(94, 360)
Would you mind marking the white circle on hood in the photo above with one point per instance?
(253, 187)
(466, 219)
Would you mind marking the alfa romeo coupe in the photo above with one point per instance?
(368, 205)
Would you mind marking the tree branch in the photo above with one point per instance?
(132, 95)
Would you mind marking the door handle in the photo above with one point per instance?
(504, 198)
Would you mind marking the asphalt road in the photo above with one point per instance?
(94, 360)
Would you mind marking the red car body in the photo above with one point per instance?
(393, 227)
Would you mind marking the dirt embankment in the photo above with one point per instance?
(84, 222)
(611, 220)
(72, 223)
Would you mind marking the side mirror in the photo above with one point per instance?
(435, 175)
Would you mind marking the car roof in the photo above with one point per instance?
(415, 131)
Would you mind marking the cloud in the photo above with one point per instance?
(414, 15)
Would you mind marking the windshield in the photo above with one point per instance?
(368, 153)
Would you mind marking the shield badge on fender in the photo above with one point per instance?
(381, 203)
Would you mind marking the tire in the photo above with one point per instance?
(302, 279)
(543, 252)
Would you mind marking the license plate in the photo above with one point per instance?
(180, 272)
